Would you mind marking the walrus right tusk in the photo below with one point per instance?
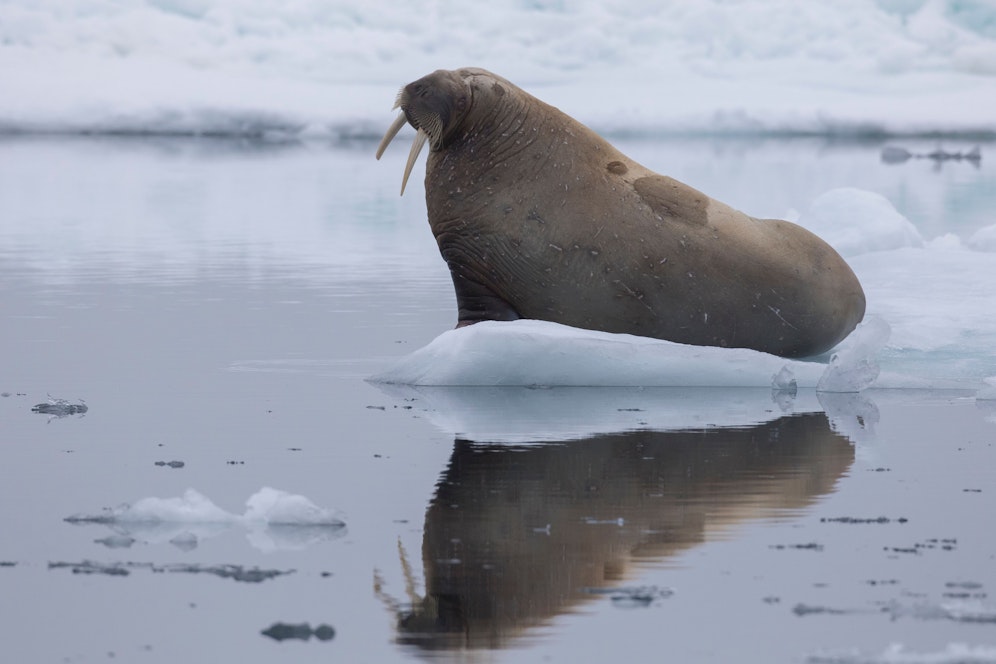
(420, 138)
(417, 144)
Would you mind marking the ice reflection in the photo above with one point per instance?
(527, 415)
(517, 534)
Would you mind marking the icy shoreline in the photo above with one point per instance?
(856, 68)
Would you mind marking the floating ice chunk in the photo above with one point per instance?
(854, 221)
(191, 507)
(970, 612)
(954, 653)
(276, 520)
(116, 541)
(185, 541)
(855, 364)
(784, 380)
(533, 352)
(987, 393)
(60, 407)
(275, 507)
(984, 239)
(946, 242)
(281, 520)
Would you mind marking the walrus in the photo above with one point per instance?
(537, 216)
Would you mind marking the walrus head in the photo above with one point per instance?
(434, 105)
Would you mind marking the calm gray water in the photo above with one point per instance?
(220, 303)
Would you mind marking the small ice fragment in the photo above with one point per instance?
(987, 393)
(116, 541)
(277, 507)
(954, 653)
(895, 155)
(191, 507)
(592, 521)
(855, 365)
(185, 541)
(984, 239)
(60, 407)
(633, 597)
(784, 380)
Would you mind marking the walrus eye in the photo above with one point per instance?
(461, 104)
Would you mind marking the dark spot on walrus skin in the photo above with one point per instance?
(617, 168)
(673, 200)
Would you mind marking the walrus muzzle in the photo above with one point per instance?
(431, 110)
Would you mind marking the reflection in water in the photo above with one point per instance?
(515, 535)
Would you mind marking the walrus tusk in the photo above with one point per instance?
(392, 131)
(417, 144)
(420, 138)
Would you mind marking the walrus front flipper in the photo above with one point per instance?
(476, 303)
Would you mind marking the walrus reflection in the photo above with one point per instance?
(514, 535)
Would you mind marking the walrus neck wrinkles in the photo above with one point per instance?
(487, 190)
(502, 145)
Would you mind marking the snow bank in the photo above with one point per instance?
(310, 67)
(854, 221)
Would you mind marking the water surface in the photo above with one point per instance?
(220, 303)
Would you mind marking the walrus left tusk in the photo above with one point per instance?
(392, 131)
(420, 139)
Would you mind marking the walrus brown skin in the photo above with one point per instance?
(539, 217)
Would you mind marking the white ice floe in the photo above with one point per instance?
(984, 239)
(275, 520)
(854, 221)
(854, 366)
(539, 353)
(987, 393)
(532, 352)
(192, 508)
(274, 507)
